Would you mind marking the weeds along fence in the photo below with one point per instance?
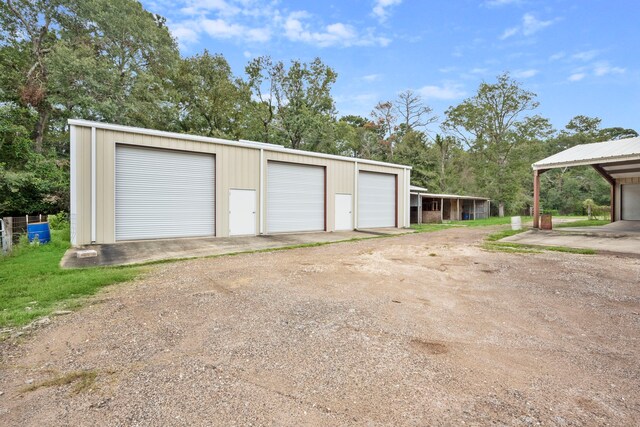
(14, 227)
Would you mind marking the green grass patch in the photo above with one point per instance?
(492, 243)
(32, 284)
(583, 223)
(427, 228)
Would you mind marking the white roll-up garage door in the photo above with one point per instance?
(630, 201)
(295, 197)
(163, 193)
(376, 200)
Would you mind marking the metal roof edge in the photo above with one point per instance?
(198, 138)
(586, 162)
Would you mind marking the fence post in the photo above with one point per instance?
(39, 217)
(8, 231)
(27, 218)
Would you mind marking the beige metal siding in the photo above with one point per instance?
(236, 168)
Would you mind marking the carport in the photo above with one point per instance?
(618, 162)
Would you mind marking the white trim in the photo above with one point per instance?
(587, 162)
(245, 144)
(94, 185)
(355, 195)
(261, 213)
(73, 193)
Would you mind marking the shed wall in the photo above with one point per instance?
(236, 168)
(618, 192)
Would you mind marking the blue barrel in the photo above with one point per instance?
(39, 230)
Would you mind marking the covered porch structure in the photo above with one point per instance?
(434, 208)
(618, 162)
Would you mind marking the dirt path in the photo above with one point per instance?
(423, 329)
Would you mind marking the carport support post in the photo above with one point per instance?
(536, 196)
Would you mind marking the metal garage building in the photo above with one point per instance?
(618, 162)
(131, 183)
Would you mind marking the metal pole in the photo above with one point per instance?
(536, 199)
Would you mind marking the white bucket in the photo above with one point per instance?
(516, 223)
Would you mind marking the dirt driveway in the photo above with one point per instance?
(423, 329)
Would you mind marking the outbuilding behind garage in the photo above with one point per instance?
(131, 183)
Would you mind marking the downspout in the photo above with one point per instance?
(94, 185)
(261, 216)
(355, 195)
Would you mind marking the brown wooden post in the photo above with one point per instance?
(613, 202)
(536, 199)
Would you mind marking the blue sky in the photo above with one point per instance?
(580, 56)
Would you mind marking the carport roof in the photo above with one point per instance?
(620, 155)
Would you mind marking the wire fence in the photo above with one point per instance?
(16, 226)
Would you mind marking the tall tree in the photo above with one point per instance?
(494, 125)
(27, 36)
(210, 99)
(413, 112)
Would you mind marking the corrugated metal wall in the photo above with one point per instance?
(237, 167)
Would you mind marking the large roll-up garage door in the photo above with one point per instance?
(295, 197)
(630, 201)
(164, 193)
(376, 200)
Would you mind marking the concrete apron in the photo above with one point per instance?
(615, 238)
(142, 251)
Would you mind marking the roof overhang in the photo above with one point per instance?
(617, 159)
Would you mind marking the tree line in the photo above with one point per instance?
(62, 59)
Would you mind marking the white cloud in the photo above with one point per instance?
(219, 28)
(447, 91)
(247, 54)
(257, 21)
(525, 74)
(380, 8)
(603, 68)
(586, 55)
(557, 56)
(371, 77)
(530, 25)
(576, 77)
(297, 28)
(510, 32)
(498, 3)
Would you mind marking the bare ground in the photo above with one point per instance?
(423, 329)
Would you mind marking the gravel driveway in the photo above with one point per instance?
(424, 329)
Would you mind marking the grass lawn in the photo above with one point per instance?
(584, 223)
(492, 243)
(32, 284)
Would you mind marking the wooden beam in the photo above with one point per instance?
(604, 174)
(616, 171)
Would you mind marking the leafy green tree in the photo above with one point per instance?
(210, 99)
(494, 126)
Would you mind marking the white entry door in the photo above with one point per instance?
(344, 218)
(242, 212)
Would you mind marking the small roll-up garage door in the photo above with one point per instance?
(164, 194)
(630, 201)
(295, 197)
(376, 200)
